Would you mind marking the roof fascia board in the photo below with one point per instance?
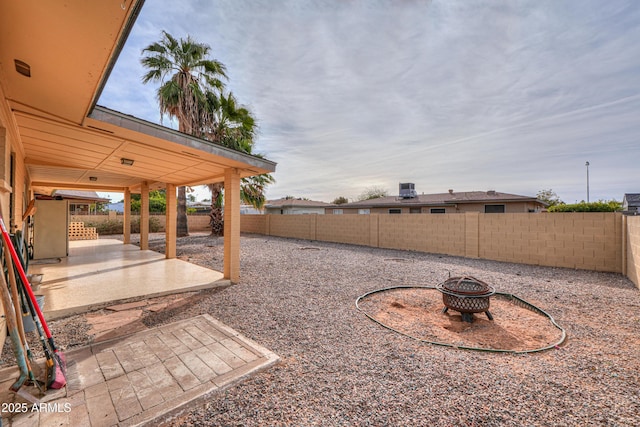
(135, 124)
(432, 204)
(122, 39)
(491, 201)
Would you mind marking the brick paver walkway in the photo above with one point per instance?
(150, 375)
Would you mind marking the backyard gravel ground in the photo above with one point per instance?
(339, 368)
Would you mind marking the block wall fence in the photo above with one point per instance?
(596, 241)
(195, 222)
(632, 245)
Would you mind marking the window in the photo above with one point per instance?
(438, 210)
(364, 211)
(337, 211)
(415, 210)
(395, 211)
(494, 209)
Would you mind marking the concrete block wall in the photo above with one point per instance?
(441, 233)
(589, 241)
(197, 222)
(632, 244)
(292, 226)
(353, 229)
(254, 223)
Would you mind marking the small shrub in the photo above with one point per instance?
(106, 227)
(599, 206)
(115, 226)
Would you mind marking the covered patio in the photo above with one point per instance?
(55, 59)
(104, 271)
(60, 139)
(54, 136)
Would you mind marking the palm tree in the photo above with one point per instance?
(233, 126)
(251, 192)
(187, 76)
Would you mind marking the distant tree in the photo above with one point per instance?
(157, 202)
(295, 198)
(549, 197)
(599, 206)
(340, 200)
(372, 193)
(99, 207)
(191, 198)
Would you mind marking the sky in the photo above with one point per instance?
(512, 96)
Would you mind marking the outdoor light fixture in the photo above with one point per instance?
(93, 178)
(22, 67)
(127, 162)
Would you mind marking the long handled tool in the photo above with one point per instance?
(18, 349)
(16, 298)
(58, 379)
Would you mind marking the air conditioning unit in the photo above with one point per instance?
(408, 190)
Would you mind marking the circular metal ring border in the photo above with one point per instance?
(518, 301)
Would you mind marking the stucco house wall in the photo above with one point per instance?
(14, 190)
(294, 210)
(510, 207)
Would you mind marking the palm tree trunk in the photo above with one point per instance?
(182, 227)
(217, 219)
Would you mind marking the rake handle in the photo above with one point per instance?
(25, 281)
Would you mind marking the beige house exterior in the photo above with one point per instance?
(451, 202)
(55, 58)
(295, 207)
(81, 202)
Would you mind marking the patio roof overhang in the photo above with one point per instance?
(89, 156)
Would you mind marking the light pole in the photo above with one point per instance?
(587, 165)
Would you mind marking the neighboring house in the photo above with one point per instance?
(81, 202)
(631, 204)
(288, 206)
(116, 207)
(249, 210)
(200, 208)
(451, 202)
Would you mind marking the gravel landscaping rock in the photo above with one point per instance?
(339, 368)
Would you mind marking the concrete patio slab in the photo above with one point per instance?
(100, 272)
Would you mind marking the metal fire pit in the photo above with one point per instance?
(466, 295)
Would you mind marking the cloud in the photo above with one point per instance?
(350, 94)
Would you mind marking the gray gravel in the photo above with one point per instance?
(340, 369)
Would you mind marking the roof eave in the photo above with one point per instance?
(124, 35)
(135, 124)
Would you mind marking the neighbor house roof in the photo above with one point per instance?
(88, 196)
(440, 199)
(632, 199)
(297, 203)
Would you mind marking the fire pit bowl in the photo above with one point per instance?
(466, 295)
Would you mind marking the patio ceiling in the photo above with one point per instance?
(68, 142)
(59, 155)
